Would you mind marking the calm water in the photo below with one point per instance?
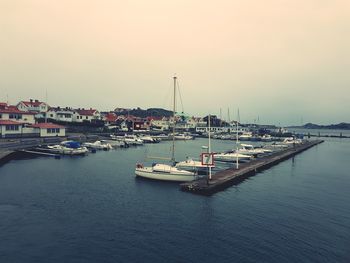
(93, 209)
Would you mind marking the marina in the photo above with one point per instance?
(223, 179)
(174, 131)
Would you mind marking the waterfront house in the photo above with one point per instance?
(60, 114)
(36, 106)
(14, 114)
(47, 130)
(10, 128)
(86, 115)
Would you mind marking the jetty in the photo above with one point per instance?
(226, 178)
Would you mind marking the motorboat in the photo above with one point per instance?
(266, 138)
(129, 139)
(98, 145)
(68, 148)
(192, 165)
(292, 140)
(231, 157)
(115, 143)
(149, 139)
(132, 140)
(245, 136)
(249, 149)
(183, 136)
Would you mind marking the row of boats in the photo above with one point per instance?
(246, 136)
(76, 148)
(190, 169)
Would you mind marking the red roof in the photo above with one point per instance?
(13, 109)
(32, 103)
(111, 117)
(154, 118)
(86, 112)
(47, 126)
(9, 122)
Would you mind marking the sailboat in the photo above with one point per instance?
(166, 172)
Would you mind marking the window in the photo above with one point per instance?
(57, 130)
(15, 116)
(12, 128)
(0, 116)
(48, 130)
(51, 115)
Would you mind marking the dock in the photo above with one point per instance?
(226, 178)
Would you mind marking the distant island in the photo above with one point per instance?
(339, 126)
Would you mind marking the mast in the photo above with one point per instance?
(209, 146)
(237, 140)
(174, 108)
(46, 105)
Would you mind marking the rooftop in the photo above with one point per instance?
(47, 126)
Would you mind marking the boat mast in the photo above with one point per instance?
(174, 108)
(209, 146)
(237, 140)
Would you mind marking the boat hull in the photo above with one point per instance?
(163, 176)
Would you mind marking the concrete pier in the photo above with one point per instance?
(224, 179)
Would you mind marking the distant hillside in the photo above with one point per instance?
(155, 112)
(339, 126)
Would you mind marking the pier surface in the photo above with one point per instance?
(226, 178)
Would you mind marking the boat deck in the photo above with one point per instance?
(226, 178)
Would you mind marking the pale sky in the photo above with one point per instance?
(282, 60)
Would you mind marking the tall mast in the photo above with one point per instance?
(46, 105)
(174, 108)
(209, 145)
(237, 139)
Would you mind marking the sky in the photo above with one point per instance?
(280, 61)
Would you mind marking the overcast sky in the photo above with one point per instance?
(285, 61)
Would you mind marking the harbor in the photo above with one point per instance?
(226, 178)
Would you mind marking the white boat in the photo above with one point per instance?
(115, 143)
(166, 172)
(231, 157)
(161, 137)
(245, 136)
(148, 139)
(266, 138)
(183, 136)
(192, 165)
(68, 148)
(132, 140)
(292, 140)
(98, 145)
(249, 149)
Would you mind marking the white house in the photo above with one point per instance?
(9, 128)
(160, 123)
(83, 115)
(33, 105)
(48, 130)
(14, 114)
(60, 114)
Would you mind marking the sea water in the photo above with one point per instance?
(93, 209)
